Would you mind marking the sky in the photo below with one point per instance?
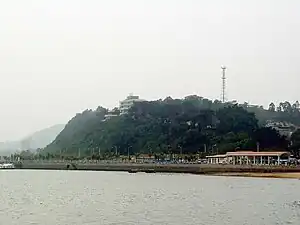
(58, 58)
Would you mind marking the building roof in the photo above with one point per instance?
(216, 156)
(251, 153)
(146, 156)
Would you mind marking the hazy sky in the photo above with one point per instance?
(59, 57)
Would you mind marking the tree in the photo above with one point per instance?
(235, 119)
(287, 107)
(269, 139)
(279, 109)
(272, 107)
(295, 107)
(295, 143)
(245, 105)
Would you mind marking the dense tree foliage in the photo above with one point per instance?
(295, 143)
(190, 125)
(285, 111)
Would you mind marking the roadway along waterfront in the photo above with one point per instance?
(160, 168)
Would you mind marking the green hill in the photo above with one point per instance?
(189, 125)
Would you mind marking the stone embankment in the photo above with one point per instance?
(235, 170)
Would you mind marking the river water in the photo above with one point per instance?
(93, 198)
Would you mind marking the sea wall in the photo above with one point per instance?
(166, 168)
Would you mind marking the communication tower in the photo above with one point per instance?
(223, 84)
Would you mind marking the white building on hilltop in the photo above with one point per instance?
(126, 104)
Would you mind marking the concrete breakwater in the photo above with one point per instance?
(159, 168)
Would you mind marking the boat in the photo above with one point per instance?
(133, 171)
(7, 166)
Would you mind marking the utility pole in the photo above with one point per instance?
(257, 146)
(223, 83)
(213, 148)
(79, 153)
(61, 154)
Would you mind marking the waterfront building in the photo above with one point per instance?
(145, 158)
(126, 104)
(250, 158)
(217, 159)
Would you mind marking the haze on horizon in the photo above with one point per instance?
(58, 58)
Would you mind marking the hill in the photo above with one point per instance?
(189, 125)
(42, 138)
(39, 139)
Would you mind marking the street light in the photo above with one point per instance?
(128, 153)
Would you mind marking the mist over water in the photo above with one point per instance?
(81, 198)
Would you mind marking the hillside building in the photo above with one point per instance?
(126, 104)
(112, 113)
(283, 128)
